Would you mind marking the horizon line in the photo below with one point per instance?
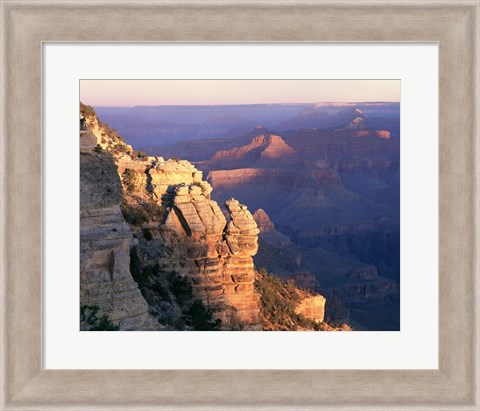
(244, 104)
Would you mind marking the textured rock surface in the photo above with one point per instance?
(196, 241)
(195, 238)
(192, 240)
(105, 279)
(265, 146)
(178, 232)
(156, 176)
(263, 221)
(312, 307)
(87, 139)
(274, 177)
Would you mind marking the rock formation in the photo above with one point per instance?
(154, 176)
(312, 306)
(105, 279)
(196, 241)
(287, 307)
(274, 177)
(263, 221)
(175, 230)
(262, 147)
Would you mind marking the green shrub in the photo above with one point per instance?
(155, 211)
(136, 268)
(201, 319)
(88, 316)
(161, 291)
(137, 211)
(134, 215)
(173, 289)
(128, 180)
(104, 324)
(147, 234)
(141, 154)
(180, 324)
(181, 289)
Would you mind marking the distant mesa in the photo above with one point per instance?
(274, 147)
(332, 104)
(350, 104)
(263, 146)
(263, 221)
(318, 117)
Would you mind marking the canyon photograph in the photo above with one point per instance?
(239, 205)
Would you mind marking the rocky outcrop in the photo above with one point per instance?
(87, 139)
(154, 176)
(264, 146)
(263, 221)
(195, 239)
(241, 237)
(105, 279)
(189, 237)
(178, 244)
(286, 307)
(312, 307)
(214, 252)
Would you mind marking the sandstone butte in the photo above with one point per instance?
(271, 147)
(194, 239)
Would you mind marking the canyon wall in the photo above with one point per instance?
(194, 238)
(105, 279)
(264, 146)
(285, 179)
(196, 241)
(145, 220)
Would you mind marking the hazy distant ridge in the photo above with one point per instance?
(150, 126)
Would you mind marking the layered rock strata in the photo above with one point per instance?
(154, 176)
(266, 146)
(190, 236)
(105, 279)
(198, 242)
(263, 221)
(274, 177)
(195, 238)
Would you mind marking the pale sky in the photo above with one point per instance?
(125, 93)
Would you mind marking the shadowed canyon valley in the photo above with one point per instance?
(241, 217)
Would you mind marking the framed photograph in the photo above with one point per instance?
(296, 254)
(263, 205)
